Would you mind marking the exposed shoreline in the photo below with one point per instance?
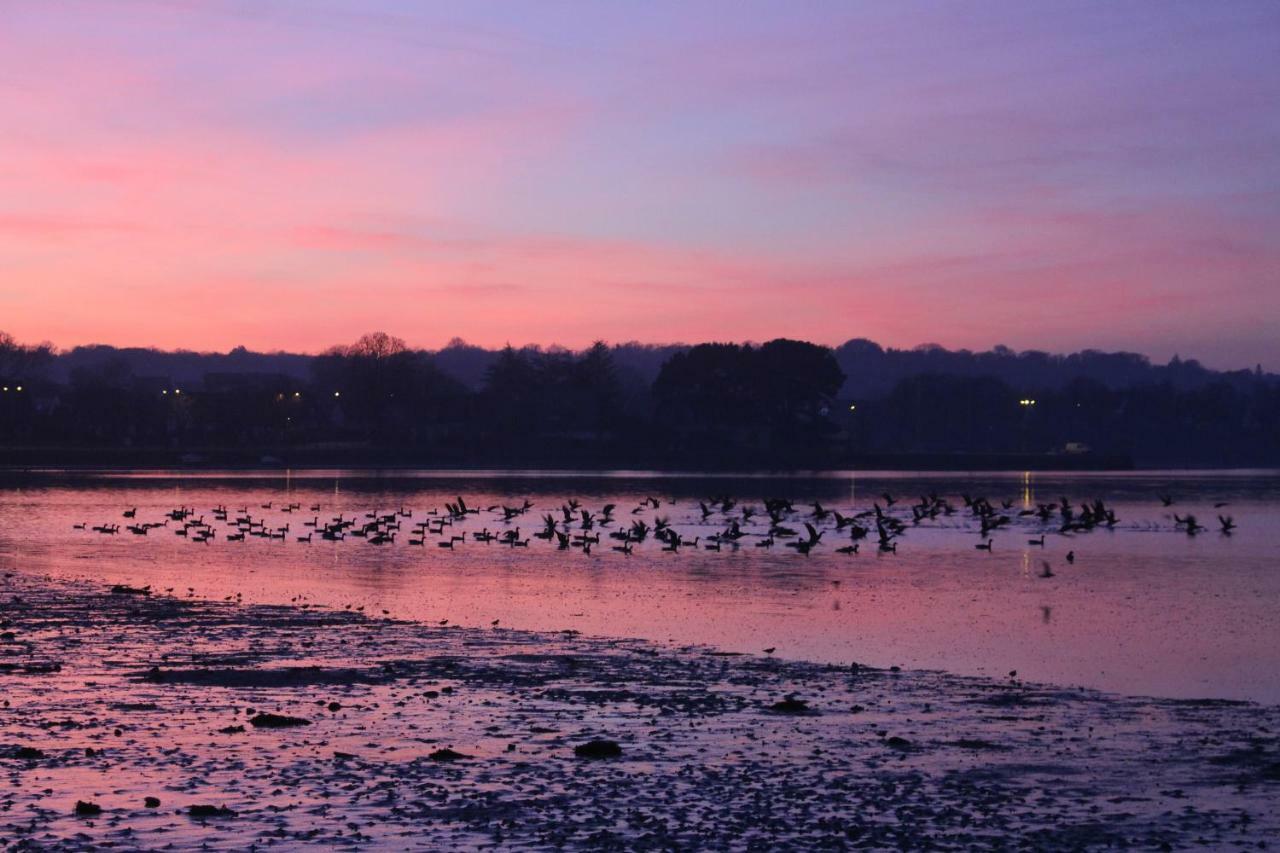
(158, 688)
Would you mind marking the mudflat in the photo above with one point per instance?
(140, 720)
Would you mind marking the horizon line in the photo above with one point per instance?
(459, 342)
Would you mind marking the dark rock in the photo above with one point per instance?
(28, 752)
(232, 730)
(124, 589)
(447, 755)
(87, 809)
(276, 721)
(790, 705)
(896, 742)
(151, 802)
(598, 749)
(210, 811)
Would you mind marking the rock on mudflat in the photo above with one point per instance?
(598, 749)
(85, 809)
(447, 755)
(791, 705)
(277, 721)
(210, 811)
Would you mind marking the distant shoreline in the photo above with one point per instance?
(368, 458)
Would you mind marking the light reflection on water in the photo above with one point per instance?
(1144, 609)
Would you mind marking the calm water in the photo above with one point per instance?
(1145, 609)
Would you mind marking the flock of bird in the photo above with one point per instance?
(572, 526)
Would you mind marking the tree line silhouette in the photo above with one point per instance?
(783, 403)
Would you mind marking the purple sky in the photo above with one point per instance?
(292, 173)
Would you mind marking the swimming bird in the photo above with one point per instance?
(1189, 522)
(984, 546)
(1071, 556)
(804, 546)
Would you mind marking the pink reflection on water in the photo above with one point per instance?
(1143, 610)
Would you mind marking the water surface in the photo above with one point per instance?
(1145, 609)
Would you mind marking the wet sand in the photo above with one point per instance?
(428, 736)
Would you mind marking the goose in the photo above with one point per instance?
(1039, 541)
(804, 546)
(984, 546)
(1190, 523)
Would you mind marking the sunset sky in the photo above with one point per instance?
(287, 174)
